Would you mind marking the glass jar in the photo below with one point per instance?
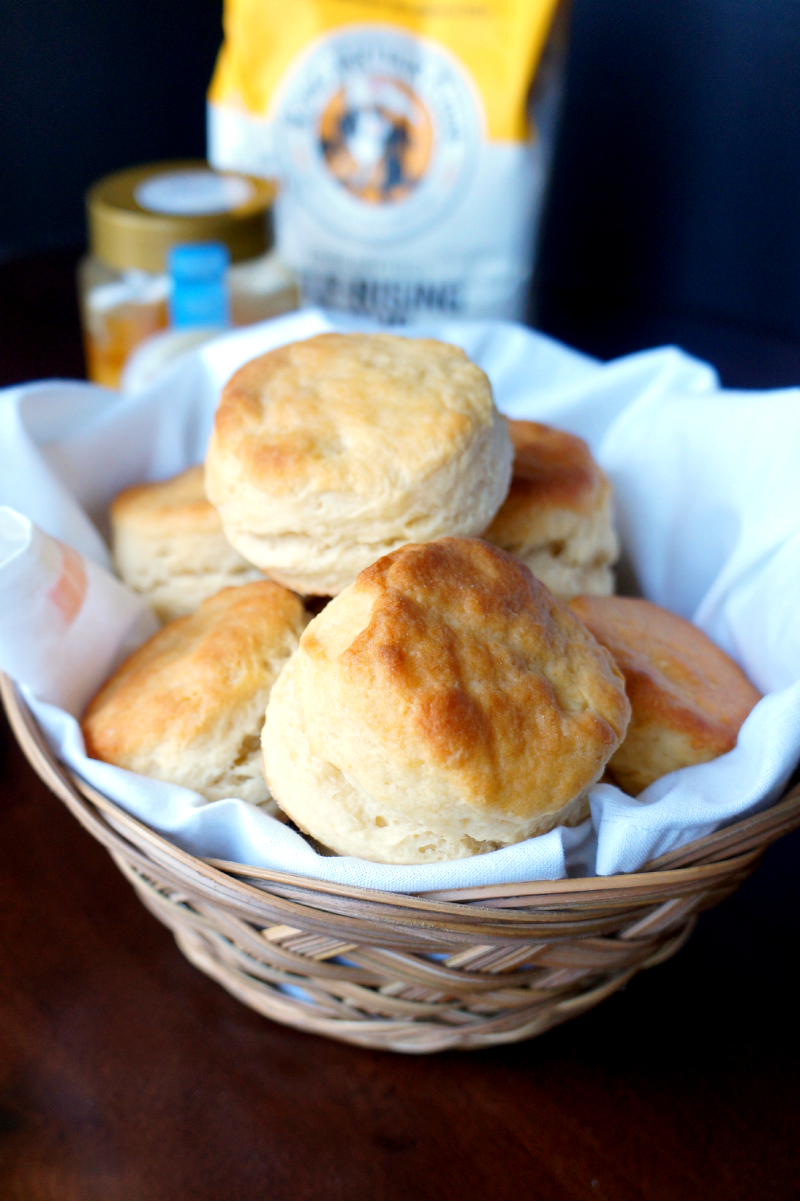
(135, 218)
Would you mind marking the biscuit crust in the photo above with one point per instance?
(173, 506)
(557, 515)
(444, 705)
(187, 706)
(168, 545)
(688, 698)
(328, 453)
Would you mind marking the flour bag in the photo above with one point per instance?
(411, 139)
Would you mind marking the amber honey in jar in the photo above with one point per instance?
(136, 217)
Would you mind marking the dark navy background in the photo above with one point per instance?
(675, 203)
(674, 211)
(88, 87)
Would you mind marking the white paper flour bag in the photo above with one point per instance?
(411, 142)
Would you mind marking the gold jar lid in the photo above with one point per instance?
(137, 216)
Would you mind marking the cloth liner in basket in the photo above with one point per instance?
(709, 513)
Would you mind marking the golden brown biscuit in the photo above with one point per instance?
(688, 699)
(187, 706)
(444, 705)
(328, 453)
(557, 515)
(168, 545)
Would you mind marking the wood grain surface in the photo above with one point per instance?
(126, 1075)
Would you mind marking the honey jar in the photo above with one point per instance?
(136, 217)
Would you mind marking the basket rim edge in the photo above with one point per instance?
(30, 737)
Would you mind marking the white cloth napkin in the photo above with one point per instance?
(708, 497)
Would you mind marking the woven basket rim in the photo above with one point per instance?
(733, 846)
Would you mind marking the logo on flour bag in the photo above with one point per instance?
(378, 133)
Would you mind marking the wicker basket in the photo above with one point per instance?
(463, 969)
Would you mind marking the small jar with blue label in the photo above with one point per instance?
(180, 250)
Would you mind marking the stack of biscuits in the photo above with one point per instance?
(472, 676)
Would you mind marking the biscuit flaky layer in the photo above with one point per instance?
(328, 453)
(557, 515)
(168, 545)
(187, 706)
(688, 698)
(444, 705)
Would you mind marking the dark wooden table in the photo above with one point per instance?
(125, 1075)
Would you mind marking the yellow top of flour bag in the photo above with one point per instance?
(497, 42)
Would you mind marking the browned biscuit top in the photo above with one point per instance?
(552, 470)
(173, 506)
(188, 678)
(349, 410)
(455, 657)
(678, 681)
